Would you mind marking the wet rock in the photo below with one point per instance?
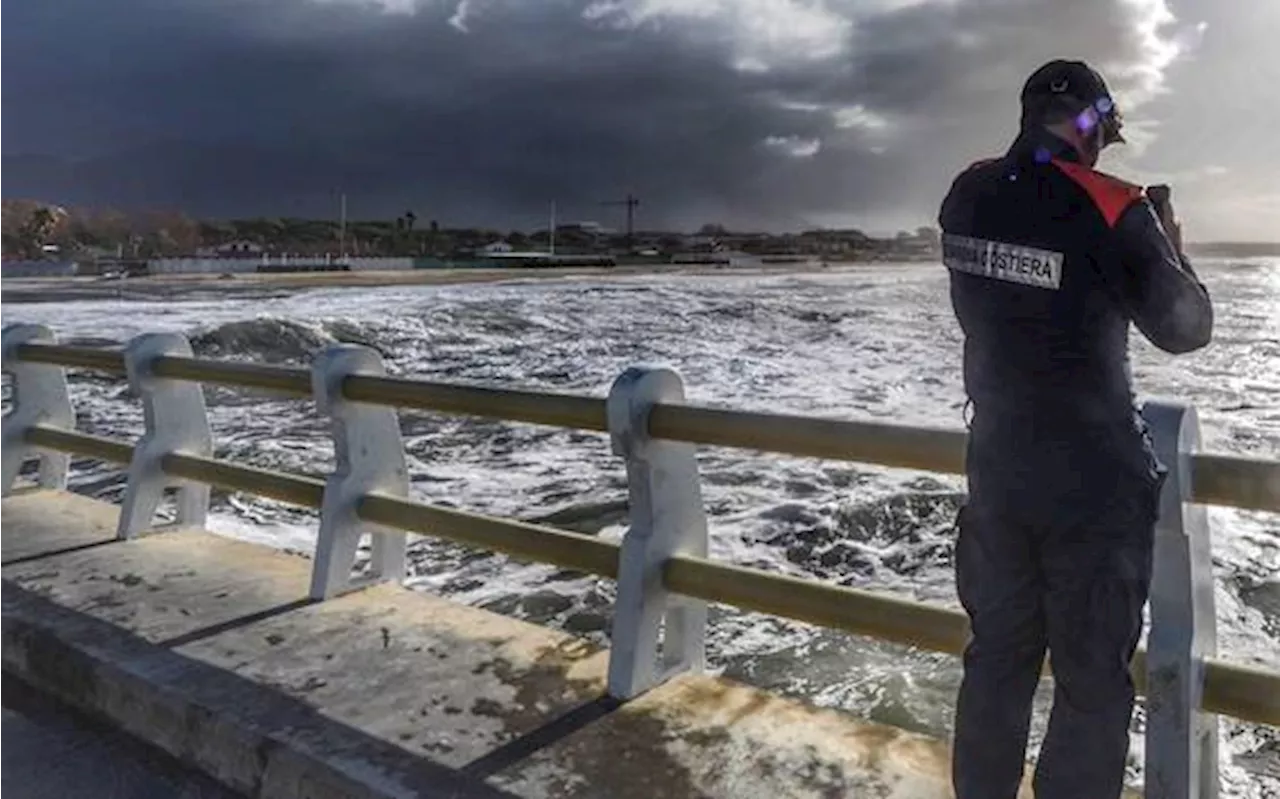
(598, 600)
(842, 478)
(926, 484)
(586, 517)
(1265, 598)
(801, 488)
(1263, 761)
(721, 507)
(563, 576)
(909, 560)
(730, 477)
(542, 605)
(904, 517)
(504, 605)
(905, 533)
(460, 585)
(792, 513)
(842, 559)
(586, 622)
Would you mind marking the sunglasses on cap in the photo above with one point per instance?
(1104, 114)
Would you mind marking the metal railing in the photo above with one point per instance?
(664, 577)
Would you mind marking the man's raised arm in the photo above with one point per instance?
(1166, 300)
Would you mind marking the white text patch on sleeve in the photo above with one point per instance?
(995, 259)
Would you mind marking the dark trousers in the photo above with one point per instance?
(1074, 583)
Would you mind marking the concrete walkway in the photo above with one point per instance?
(52, 753)
(207, 647)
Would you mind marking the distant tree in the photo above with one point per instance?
(105, 229)
(160, 243)
(168, 233)
(14, 215)
(929, 235)
(81, 234)
(409, 219)
(263, 230)
(37, 231)
(431, 240)
(215, 232)
(9, 244)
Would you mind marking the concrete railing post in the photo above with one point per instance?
(369, 457)
(667, 517)
(39, 397)
(176, 423)
(1182, 742)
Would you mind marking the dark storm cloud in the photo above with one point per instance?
(760, 112)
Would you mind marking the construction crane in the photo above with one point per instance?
(630, 202)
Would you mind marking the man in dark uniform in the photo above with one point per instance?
(1049, 262)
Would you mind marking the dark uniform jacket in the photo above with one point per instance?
(1049, 262)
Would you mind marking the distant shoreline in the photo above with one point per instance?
(161, 287)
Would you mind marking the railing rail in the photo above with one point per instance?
(1218, 479)
(661, 565)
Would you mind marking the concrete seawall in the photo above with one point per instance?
(23, 269)
(227, 266)
(208, 648)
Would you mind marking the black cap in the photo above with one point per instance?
(1069, 87)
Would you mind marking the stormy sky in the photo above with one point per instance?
(774, 114)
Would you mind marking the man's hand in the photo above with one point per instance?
(1164, 297)
(1160, 198)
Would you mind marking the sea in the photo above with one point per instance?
(873, 342)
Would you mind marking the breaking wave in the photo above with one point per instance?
(278, 340)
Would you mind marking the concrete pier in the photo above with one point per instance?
(52, 752)
(208, 648)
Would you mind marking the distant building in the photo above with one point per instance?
(240, 248)
(495, 248)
